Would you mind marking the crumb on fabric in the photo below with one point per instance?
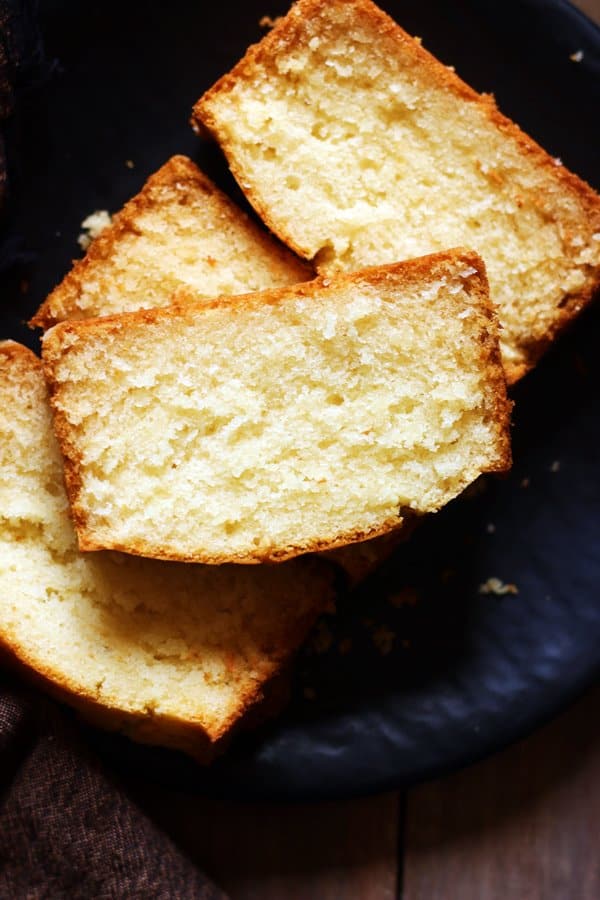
(93, 224)
(525, 482)
(555, 466)
(129, 163)
(577, 56)
(490, 528)
(498, 587)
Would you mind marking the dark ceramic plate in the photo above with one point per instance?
(466, 672)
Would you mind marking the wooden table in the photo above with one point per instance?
(523, 825)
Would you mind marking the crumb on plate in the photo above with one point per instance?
(498, 587)
(93, 225)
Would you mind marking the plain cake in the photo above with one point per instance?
(273, 424)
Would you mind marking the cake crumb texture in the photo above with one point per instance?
(283, 422)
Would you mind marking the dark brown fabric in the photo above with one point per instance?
(66, 830)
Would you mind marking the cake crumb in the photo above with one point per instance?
(525, 482)
(555, 467)
(490, 528)
(269, 21)
(498, 587)
(577, 56)
(129, 163)
(93, 225)
(383, 638)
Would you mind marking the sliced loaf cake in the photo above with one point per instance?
(273, 424)
(357, 147)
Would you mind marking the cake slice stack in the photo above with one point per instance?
(179, 238)
(168, 653)
(201, 430)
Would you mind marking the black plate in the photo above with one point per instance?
(467, 672)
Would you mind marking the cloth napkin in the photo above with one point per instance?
(68, 830)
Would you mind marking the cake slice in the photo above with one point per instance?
(169, 653)
(357, 147)
(179, 233)
(261, 427)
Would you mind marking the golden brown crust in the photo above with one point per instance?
(286, 35)
(179, 170)
(58, 341)
(19, 354)
(268, 701)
